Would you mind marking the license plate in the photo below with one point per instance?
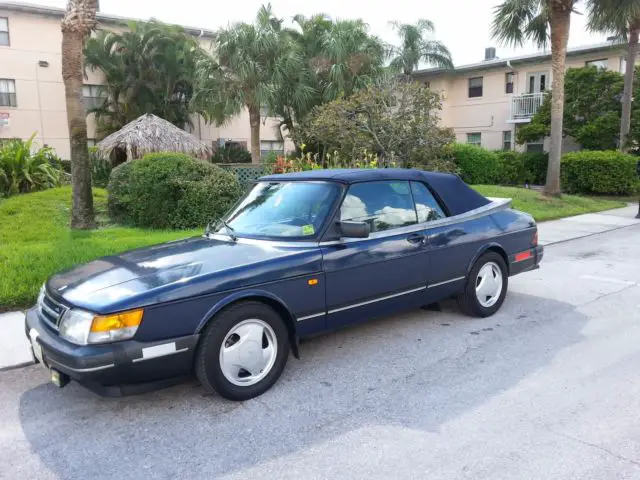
(35, 345)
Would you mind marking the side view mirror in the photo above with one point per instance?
(354, 229)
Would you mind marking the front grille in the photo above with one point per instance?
(51, 311)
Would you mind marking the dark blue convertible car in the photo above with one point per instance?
(300, 254)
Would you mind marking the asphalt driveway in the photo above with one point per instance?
(547, 388)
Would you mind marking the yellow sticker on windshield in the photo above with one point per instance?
(308, 230)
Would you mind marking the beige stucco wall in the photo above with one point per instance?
(490, 113)
(40, 91)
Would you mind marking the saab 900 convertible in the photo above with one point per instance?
(300, 254)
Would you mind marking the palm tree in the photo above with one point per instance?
(78, 22)
(148, 69)
(622, 18)
(415, 48)
(243, 74)
(516, 21)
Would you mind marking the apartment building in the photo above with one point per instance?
(486, 102)
(32, 98)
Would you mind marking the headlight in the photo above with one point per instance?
(82, 328)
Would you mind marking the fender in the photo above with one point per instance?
(255, 294)
(488, 246)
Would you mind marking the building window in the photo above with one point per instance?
(4, 31)
(268, 146)
(475, 87)
(91, 142)
(93, 96)
(474, 138)
(536, 147)
(508, 82)
(600, 64)
(8, 93)
(506, 140)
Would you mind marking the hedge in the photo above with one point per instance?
(168, 190)
(602, 172)
(477, 165)
(518, 168)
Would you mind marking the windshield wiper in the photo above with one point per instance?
(227, 227)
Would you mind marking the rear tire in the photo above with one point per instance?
(243, 351)
(486, 286)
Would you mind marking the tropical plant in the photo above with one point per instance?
(100, 168)
(325, 60)
(395, 120)
(78, 22)
(415, 47)
(231, 153)
(622, 18)
(148, 69)
(24, 171)
(242, 75)
(591, 110)
(541, 21)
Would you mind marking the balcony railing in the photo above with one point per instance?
(523, 107)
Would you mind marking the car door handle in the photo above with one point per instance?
(416, 238)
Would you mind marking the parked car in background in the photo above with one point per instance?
(300, 254)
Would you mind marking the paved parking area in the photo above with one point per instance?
(548, 388)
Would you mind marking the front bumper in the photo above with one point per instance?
(118, 368)
(524, 263)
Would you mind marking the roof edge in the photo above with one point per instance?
(108, 19)
(520, 59)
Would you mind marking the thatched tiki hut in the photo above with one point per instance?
(149, 134)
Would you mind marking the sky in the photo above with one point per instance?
(462, 25)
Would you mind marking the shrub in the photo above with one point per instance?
(167, 190)
(24, 171)
(231, 153)
(603, 172)
(100, 168)
(511, 170)
(535, 166)
(477, 165)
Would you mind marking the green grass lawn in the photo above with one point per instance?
(543, 208)
(35, 240)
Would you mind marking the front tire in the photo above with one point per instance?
(243, 351)
(486, 286)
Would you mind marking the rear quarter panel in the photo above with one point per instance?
(456, 247)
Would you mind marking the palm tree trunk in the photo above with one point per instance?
(632, 53)
(82, 215)
(254, 123)
(560, 21)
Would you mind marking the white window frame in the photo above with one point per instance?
(4, 32)
(481, 87)
(8, 97)
(479, 142)
(96, 95)
(504, 140)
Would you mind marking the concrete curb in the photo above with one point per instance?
(15, 351)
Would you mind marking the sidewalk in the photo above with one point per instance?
(15, 350)
(570, 228)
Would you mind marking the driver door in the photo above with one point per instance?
(381, 274)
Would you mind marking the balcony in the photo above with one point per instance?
(523, 107)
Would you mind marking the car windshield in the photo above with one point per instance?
(281, 210)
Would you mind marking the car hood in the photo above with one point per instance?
(180, 269)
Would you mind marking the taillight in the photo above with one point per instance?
(534, 241)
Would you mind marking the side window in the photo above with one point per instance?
(384, 205)
(427, 206)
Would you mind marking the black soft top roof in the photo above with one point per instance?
(456, 195)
